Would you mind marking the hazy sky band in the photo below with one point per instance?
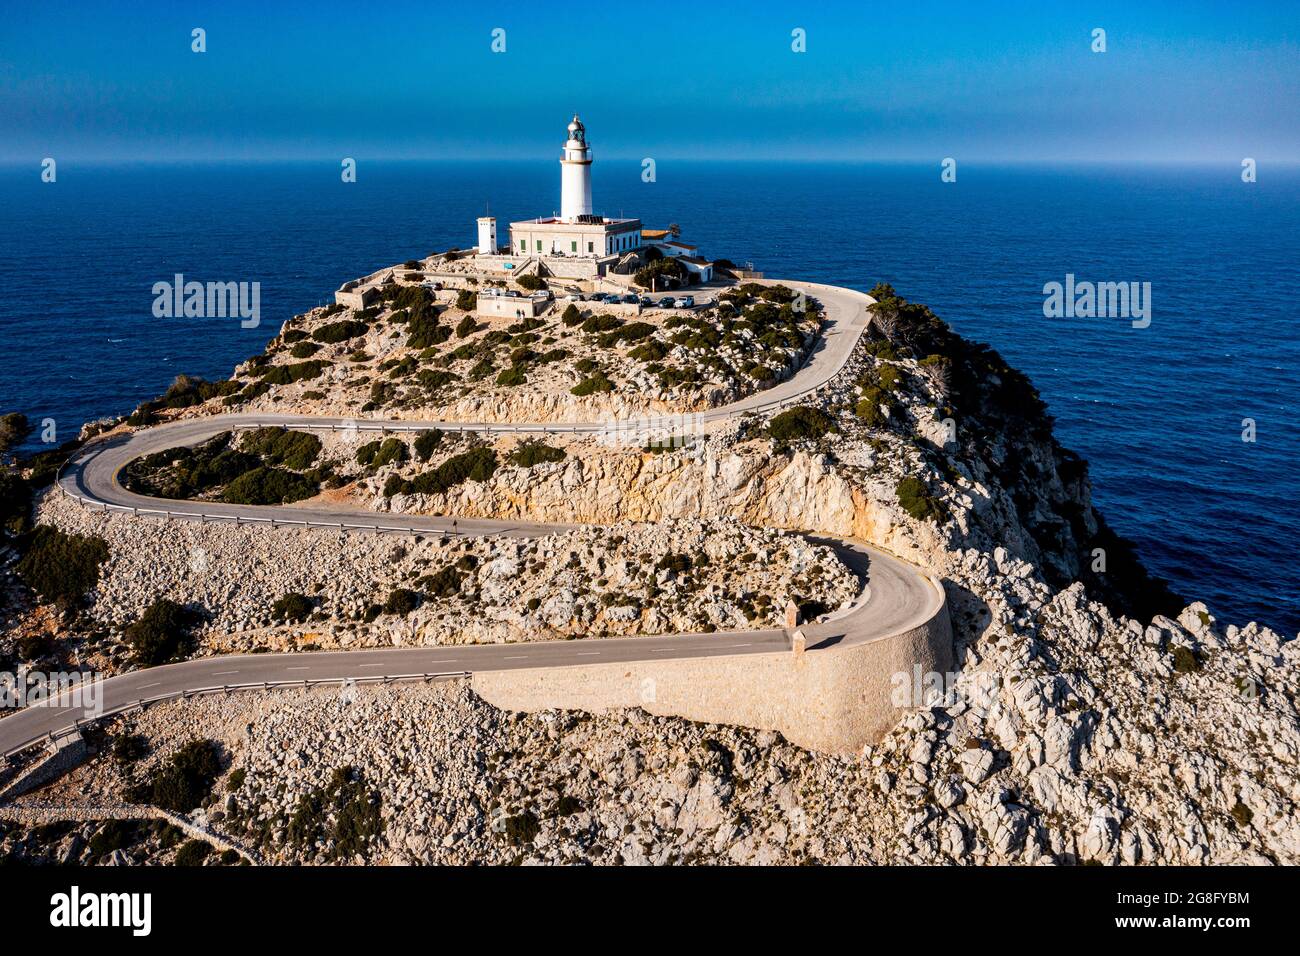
(978, 81)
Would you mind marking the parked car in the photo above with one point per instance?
(685, 302)
(630, 300)
(647, 300)
(667, 302)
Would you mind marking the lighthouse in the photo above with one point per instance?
(575, 174)
(576, 232)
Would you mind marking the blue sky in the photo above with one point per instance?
(1180, 81)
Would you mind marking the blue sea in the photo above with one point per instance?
(1158, 411)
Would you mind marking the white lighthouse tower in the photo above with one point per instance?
(575, 174)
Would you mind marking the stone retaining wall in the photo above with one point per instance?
(832, 699)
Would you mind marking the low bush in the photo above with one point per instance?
(601, 323)
(292, 607)
(340, 331)
(298, 372)
(477, 464)
(512, 377)
(427, 443)
(268, 486)
(61, 567)
(592, 385)
(425, 330)
(444, 583)
(376, 454)
(803, 423)
(185, 780)
(466, 300)
(193, 853)
(915, 499)
(401, 601)
(162, 633)
(535, 452)
(279, 446)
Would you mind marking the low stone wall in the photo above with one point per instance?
(833, 699)
(63, 755)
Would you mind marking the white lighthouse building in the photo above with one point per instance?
(575, 174)
(576, 232)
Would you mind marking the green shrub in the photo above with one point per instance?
(801, 424)
(915, 499)
(436, 378)
(466, 327)
(61, 567)
(345, 814)
(128, 748)
(425, 331)
(185, 780)
(162, 633)
(531, 283)
(444, 583)
(512, 377)
(298, 372)
(1242, 814)
(340, 331)
(376, 454)
(477, 464)
(415, 298)
(304, 350)
(572, 315)
(14, 429)
(1185, 660)
(535, 452)
(632, 332)
(279, 446)
(112, 835)
(427, 443)
(292, 607)
(522, 828)
(601, 323)
(401, 601)
(268, 486)
(593, 384)
(651, 351)
(466, 300)
(193, 853)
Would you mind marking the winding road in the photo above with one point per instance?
(895, 596)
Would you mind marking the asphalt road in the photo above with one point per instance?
(895, 596)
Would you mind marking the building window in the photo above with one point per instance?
(573, 246)
(539, 245)
(589, 247)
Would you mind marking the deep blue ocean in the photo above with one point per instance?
(1158, 412)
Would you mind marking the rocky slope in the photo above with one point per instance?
(1093, 717)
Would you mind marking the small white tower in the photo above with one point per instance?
(487, 236)
(575, 174)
